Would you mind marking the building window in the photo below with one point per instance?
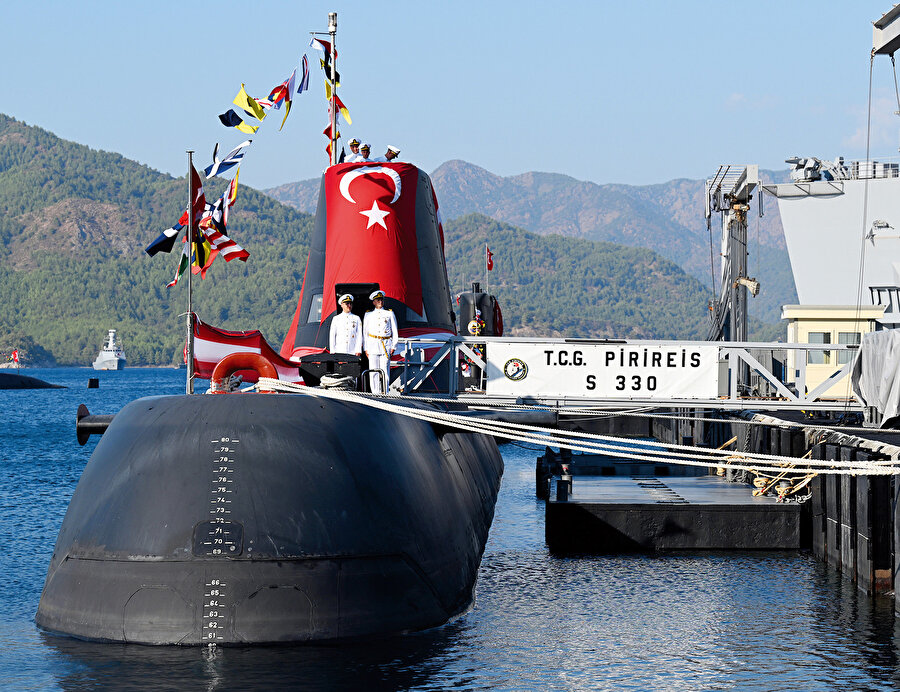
(315, 309)
(847, 338)
(819, 357)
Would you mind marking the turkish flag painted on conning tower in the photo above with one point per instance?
(371, 233)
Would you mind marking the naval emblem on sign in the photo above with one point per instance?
(638, 370)
(515, 369)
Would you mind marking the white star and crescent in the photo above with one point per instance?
(376, 215)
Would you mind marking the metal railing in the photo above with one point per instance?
(437, 362)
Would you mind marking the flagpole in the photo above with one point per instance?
(487, 280)
(332, 29)
(190, 307)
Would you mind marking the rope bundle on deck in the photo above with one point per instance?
(649, 451)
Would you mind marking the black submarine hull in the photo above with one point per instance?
(253, 518)
(9, 380)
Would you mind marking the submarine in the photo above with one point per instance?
(9, 380)
(242, 518)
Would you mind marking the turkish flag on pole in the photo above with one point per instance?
(15, 356)
(490, 258)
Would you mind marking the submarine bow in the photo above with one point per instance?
(242, 519)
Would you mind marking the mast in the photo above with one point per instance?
(487, 280)
(730, 192)
(332, 30)
(189, 344)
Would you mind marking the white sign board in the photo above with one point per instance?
(606, 371)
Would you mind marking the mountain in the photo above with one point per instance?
(73, 226)
(667, 218)
(74, 223)
(571, 287)
(303, 195)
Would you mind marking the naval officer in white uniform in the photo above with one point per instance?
(391, 154)
(346, 329)
(354, 155)
(380, 329)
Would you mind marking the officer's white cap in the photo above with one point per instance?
(376, 294)
(365, 145)
(393, 149)
(353, 142)
(346, 298)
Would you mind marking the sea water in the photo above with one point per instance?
(746, 621)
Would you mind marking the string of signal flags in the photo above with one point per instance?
(211, 218)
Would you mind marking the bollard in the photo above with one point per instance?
(542, 473)
(775, 435)
(564, 485)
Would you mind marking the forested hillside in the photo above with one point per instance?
(74, 223)
(667, 218)
(557, 286)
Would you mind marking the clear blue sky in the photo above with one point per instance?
(612, 92)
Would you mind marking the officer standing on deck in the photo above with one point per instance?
(380, 329)
(391, 154)
(346, 329)
(364, 152)
(354, 155)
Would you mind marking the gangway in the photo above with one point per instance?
(605, 373)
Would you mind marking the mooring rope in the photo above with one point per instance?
(649, 451)
(591, 412)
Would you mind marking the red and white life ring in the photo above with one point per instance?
(234, 362)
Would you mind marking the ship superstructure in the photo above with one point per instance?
(111, 356)
(841, 218)
(840, 226)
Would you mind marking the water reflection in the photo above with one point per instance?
(392, 663)
(750, 621)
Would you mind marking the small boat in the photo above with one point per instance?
(111, 356)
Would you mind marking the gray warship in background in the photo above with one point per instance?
(246, 518)
(111, 356)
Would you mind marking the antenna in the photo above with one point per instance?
(332, 29)
(189, 355)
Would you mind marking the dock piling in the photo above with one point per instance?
(832, 511)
